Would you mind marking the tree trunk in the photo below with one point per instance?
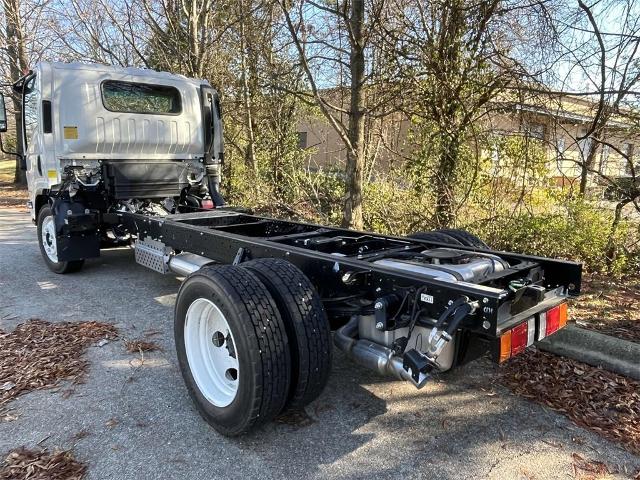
(352, 216)
(250, 154)
(17, 65)
(445, 184)
(612, 251)
(589, 163)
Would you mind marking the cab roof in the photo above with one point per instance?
(133, 71)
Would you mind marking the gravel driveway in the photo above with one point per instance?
(132, 421)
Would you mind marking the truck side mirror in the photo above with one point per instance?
(3, 115)
(3, 129)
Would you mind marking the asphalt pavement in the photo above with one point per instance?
(133, 421)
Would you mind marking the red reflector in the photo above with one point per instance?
(553, 320)
(519, 338)
(207, 203)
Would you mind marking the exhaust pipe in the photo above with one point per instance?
(372, 355)
(186, 263)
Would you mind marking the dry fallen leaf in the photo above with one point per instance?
(594, 468)
(112, 422)
(80, 435)
(609, 306)
(23, 463)
(139, 346)
(602, 401)
(38, 354)
(67, 393)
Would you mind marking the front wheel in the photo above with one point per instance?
(48, 245)
(232, 348)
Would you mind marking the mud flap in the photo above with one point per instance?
(77, 234)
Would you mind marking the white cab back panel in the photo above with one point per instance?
(84, 128)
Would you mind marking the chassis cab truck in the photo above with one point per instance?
(132, 157)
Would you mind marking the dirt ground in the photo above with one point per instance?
(10, 195)
(132, 417)
(610, 306)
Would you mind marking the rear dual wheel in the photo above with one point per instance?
(239, 339)
(452, 236)
(306, 324)
(465, 238)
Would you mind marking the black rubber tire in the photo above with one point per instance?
(57, 267)
(435, 237)
(261, 345)
(306, 323)
(467, 239)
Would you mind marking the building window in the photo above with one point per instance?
(604, 157)
(585, 144)
(302, 140)
(534, 130)
(128, 97)
(560, 146)
(495, 155)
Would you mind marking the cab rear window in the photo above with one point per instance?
(129, 97)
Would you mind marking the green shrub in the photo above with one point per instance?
(576, 231)
(538, 220)
(395, 210)
(294, 191)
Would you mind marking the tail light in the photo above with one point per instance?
(505, 346)
(515, 340)
(207, 203)
(552, 320)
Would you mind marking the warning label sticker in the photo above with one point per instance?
(70, 133)
(426, 298)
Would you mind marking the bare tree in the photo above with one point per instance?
(614, 76)
(98, 31)
(16, 54)
(454, 58)
(331, 40)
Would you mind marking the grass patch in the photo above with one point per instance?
(7, 170)
(10, 194)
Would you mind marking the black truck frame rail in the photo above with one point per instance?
(339, 262)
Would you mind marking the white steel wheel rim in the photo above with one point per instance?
(49, 238)
(211, 352)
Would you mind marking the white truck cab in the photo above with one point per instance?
(100, 139)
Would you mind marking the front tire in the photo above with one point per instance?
(48, 247)
(232, 348)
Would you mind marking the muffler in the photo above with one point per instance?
(372, 355)
(186, 263)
